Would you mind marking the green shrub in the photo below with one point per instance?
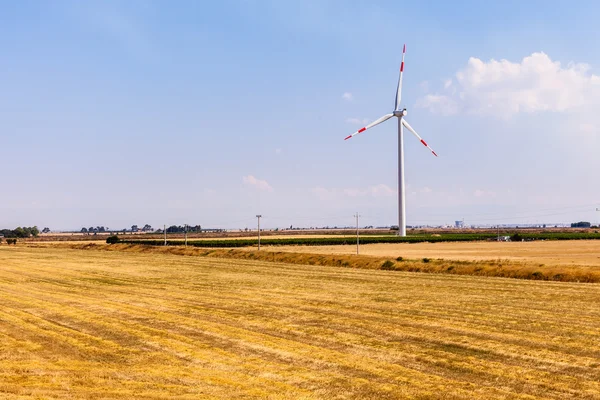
(537, 275)
(113, 239)
(426, 260)
(399, 259)
(11, 241)
(388, 265)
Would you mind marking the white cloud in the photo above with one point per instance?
(439, 104)
(357, 121)
(322, 193)
(347, 96)
(425, 190)
(504, 88)
(381, 190)
(257, 183)
(278, 151)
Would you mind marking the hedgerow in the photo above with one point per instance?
(332, 241)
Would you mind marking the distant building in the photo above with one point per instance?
(459, 224)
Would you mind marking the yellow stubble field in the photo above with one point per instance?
(110, 324)
(550, 252)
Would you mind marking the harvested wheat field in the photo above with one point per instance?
(111, 324)
(550, 252)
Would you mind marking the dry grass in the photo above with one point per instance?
(551, 252)
(114, 324)
(505, 268)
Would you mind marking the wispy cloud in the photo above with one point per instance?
(259, 184)
(347, 96)
(439, 104)
(379, 190)
(357, 121)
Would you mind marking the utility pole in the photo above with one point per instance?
(185, 231)
(498, 226)
(258, 216)
(356, 216)
(165, 230)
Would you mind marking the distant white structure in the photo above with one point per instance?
(459, 224)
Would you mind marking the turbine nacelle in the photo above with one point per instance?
(400, 113)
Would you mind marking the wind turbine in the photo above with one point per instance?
(400, 114)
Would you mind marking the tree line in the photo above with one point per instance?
(21, 232)
(581, 224)
(184, 228)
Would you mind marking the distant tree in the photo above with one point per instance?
(46, 230)
(19, 232)
(34, 231)
(174, 229)
(147, 228)
(113, 239)
(581, 224)
(91, 229)
(100, 229)
(84, 230)
(134, 228)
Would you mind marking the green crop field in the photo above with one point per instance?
(113, 324)
(369, 239)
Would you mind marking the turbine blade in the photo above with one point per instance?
(410, 128)
(372, 124)
(399, 89)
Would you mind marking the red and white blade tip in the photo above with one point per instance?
(404, 49)
(347, 137)
(426, 145)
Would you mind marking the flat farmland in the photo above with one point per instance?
(111, 324)
(549, 252)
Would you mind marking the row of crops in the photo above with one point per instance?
(340, 240)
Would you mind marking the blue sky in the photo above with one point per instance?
(130, 112)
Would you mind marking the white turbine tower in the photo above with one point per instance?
(400, 114)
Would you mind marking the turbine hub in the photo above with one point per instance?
(400, 113)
